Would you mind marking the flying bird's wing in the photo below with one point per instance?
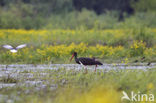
(8, 47)
(21, 46)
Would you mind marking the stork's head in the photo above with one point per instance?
(74, 54)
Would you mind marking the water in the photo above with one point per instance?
(22, 67)
(27, 70)
(32, 75)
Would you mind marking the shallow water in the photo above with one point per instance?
(26, 70)
(20, 70)
(22, 67)
(3, 85)
(31, 75)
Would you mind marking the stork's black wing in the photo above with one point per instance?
(98, 63)
(87, 61)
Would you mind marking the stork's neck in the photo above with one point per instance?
(75, 57)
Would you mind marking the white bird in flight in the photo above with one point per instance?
(14, 50)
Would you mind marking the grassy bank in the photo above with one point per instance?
(56, 46)
(72, 86)
(62, 53)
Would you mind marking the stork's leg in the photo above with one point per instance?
(82, 65)
(6, 67)
(95, 68)
(86, 70)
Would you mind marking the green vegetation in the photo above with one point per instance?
(56, 46)
(107, 29)
(59, 86)
(76, 14)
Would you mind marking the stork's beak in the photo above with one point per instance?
(71, 58)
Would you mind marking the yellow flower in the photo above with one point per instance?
(150, 86)
(95, 95)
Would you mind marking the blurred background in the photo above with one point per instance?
(53, 29)
(76, 14)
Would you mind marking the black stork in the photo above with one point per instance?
(85, 61)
